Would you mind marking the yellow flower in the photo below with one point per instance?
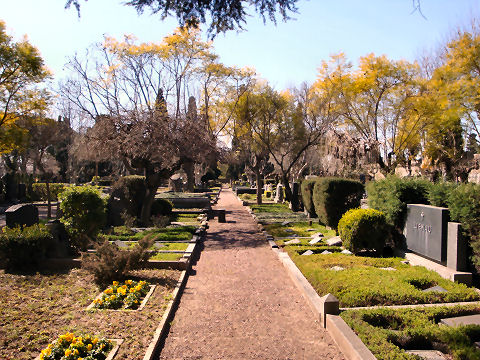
(115, 283)
(68, 352)
(89, 347)
(75, 352)
(108, 291)
(94, 341)
(69, 337)
(128, 282)
(132, 290)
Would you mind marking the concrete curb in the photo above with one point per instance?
(162, 329)
(348, 342)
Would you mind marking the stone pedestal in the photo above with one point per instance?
(456, 248)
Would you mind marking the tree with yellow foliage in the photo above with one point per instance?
(21, 71)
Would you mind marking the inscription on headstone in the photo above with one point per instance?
(426, 231)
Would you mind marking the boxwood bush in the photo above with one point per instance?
(40, 191)
(83, 214)
(23, 249)
(392, 194)
(161, 207)
(306, 189)
(333, 197)
(363, 229)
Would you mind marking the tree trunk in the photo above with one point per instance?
(189, 168)
(258, 178)
(49, 204)
(288, 190)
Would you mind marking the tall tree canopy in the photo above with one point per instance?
(21, 70)
(223, 15)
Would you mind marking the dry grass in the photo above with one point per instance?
(36, 309)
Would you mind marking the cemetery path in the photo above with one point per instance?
(239, 302)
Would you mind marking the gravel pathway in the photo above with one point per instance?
(240, 303)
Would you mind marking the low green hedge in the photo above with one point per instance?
(161, 207)
(387, 332)
(363, 282)
(333, 197)
(40, 191)
(23, 249)
(362, 229)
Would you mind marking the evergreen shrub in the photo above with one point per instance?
(464, 205)
(83, 214)
(161, 207)
(333, 197)
(23, 249)
(439, 192)
(131, 192)
(362, 229)
(306, 189)
(392, 194)
(39, 191)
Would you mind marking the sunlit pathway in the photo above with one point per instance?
(240, 302)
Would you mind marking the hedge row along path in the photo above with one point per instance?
(239, 302)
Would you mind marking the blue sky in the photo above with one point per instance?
(286, 55)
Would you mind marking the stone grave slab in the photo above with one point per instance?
(326, 252)
(310, 230)
(288, 230)
(334, 241)
(347, 252)
(462, 320)
(158, 245)
(315, 241)
(308, 252)
(292, 242)
(337, 268)
(435, 288)
(428, 354)
(318, 234)
(286, 223)
(120, 243)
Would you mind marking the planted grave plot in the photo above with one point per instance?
(401, 333)
(69, 346)
(37, 309)
(366, 281)
(129, 295)
(298, 229)
(276, 213)
(168, 234)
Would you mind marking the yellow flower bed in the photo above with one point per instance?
(69, 347)
(127, 295)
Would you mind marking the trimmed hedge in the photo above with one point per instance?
(306, 189)
(333, 197)
(392, 194)
(23, 249)
(439, 192)
(464, 205)
(40, 191)
(83, 214)
(161, 207)
(362, 229)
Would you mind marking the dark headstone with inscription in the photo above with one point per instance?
(426, 231)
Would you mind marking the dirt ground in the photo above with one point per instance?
(240, 303)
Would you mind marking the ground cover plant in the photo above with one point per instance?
(166, 256)
(173, 246)
(128, 295)
(253, 198)
(368, 281)
(190, 219)
(36, 309)
(173, 233)
(301, 229)
(68, 346)
(388, 332)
